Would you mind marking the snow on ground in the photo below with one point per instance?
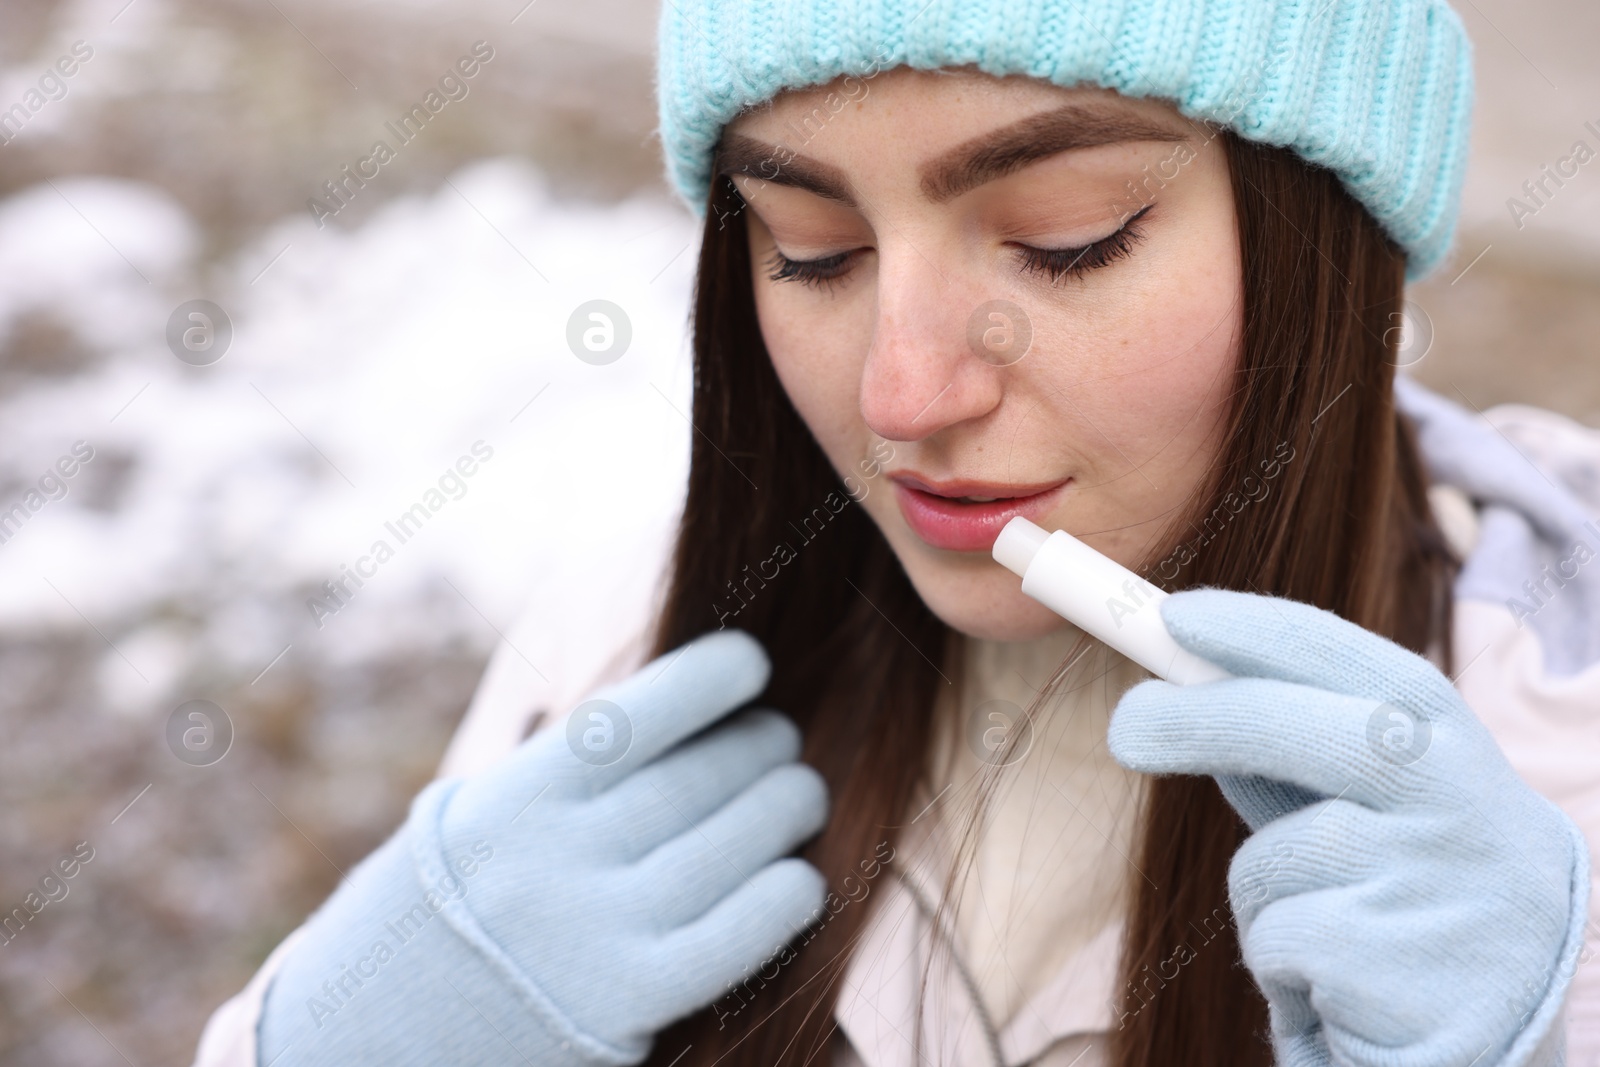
(363, 366)
(415, 364)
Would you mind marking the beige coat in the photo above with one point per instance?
(1042, 965)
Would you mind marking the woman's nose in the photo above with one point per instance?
(930, 363)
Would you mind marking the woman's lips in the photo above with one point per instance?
(935, 512)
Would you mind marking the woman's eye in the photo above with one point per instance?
(1056, 263)
(815, 272)
(1060, 263)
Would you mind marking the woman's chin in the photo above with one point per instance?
(988, 605)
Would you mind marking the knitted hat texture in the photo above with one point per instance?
(1378, 91)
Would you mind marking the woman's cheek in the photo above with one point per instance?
(1167, 364)
(818, 366)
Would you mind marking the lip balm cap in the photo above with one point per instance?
(1017, 544)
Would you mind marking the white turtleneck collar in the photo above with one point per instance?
(1055, 857)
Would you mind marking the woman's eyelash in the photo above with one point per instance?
(1058, 263)
(817, 272)
(1061, 263)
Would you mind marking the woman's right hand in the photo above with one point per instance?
(603, 881)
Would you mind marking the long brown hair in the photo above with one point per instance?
(1345, 526)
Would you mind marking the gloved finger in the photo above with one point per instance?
(719, 854)
(1275, 948)
(1326, 742)
(1363, 969)
(1259, 800)
(1298, 1046)
(1339, 976)
(1271, 637)
(695, 779)
(1331, 843)
(673, 697)
(1404, 959)
(745, 929)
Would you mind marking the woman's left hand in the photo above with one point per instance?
(1406, 899)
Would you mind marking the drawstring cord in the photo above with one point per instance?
(990, 1034)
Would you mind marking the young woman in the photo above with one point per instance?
(1131, 271)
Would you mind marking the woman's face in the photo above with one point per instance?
(1013, 298)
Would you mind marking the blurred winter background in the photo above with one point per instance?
(366, 356)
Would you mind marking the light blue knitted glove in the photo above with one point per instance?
(1431, 912)
(566, 904)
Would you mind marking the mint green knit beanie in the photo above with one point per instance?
(1378, 91)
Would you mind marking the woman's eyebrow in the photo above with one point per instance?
(998, 153)
(781, 166)
(983, 159)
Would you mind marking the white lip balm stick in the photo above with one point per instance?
(1101, 597)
